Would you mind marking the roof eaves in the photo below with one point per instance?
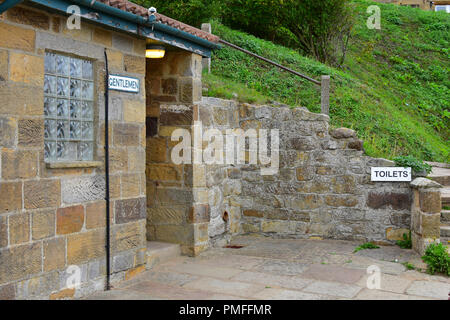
(131, 7)
(139, 24)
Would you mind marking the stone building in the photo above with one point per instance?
(52, 137)
(53, 199)
(428, 5)
(422, 4)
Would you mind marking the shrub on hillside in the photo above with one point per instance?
(317, 28)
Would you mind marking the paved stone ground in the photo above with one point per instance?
(284, 269)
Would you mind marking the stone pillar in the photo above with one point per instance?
(325, 95)
(175, 212)
(425, 214)
(206, 62)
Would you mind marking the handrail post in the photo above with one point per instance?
(206, 62)
(325, 95)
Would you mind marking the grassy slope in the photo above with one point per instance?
(393, 89)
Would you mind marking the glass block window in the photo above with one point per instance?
(68, 108)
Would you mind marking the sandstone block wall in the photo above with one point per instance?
(54, 217)
(173, 86)
(321, 190)
(425, 214)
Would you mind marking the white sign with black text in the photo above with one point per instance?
(122, 83)
(390, 174)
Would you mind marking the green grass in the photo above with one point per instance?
(393, 88)
(408, 265)
(406, 243)
(367, 245)
(223, 88)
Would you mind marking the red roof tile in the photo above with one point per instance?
(141, 11)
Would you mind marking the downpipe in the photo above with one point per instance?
(107, 198)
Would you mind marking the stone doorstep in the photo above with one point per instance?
(160, 252)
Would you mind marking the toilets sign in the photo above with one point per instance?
(390, 174)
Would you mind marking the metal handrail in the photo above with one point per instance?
(324, 83)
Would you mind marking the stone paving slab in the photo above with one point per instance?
(169, 292)
(388, 253)
(373, 294)
(121, 294)
(283, 269)
(220, 296)
(415, 275)
(388, 267)
(205, 270)
(288, 268)
(336, 259)
(247, 240)
(333, 273)
(271, 280)
(438, 290)
(389, 283)
(163, 277)
(283, 294)
(241, 289)
(232, 261)
(333, 289)
(272, 253)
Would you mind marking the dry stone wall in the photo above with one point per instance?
(322, 188)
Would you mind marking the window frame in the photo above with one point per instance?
(76, 161)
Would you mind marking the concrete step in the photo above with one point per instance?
(445, 196)
(445, 216)
(440, 175)
(160, 252)
(438, 164)
(443, 180)
(445, 231)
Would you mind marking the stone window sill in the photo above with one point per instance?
(73, 164)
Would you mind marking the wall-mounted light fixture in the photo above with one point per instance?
(154, 52)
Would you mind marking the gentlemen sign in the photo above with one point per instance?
(122, 83)
(390, 174)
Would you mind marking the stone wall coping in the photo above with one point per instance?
(379, 162)
(343, 133)
(424, 183)
(73, 164)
